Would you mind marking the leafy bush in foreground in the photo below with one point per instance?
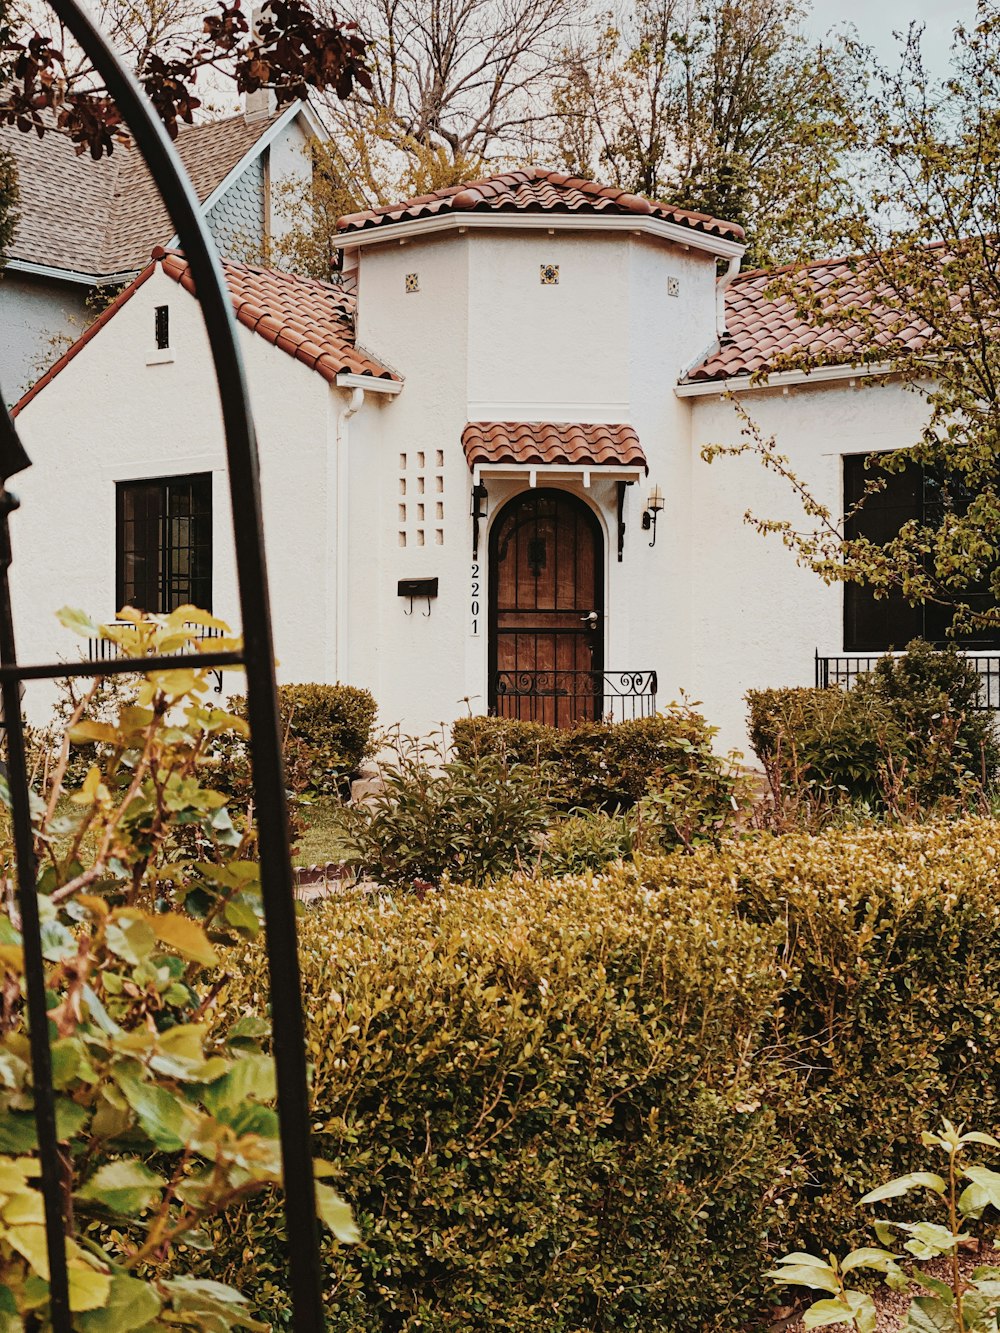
(163, 1123)
(890, 965)
(543, 1099)
(953, 1302)
(595, 1103)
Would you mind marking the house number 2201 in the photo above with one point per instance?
(475, 604)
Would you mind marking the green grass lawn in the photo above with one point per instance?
(317, 844)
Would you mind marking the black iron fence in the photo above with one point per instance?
(106, 650)
(562, 698)
(844, 671)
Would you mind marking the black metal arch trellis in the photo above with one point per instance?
(257, 658)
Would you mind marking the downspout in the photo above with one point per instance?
(350, 409)
(720, 294)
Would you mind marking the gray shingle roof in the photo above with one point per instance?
(104, 217)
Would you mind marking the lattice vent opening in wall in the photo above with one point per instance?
(420, 518)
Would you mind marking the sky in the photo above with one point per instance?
(876, 20)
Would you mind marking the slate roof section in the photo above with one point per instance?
(103, 218)
(65, 201)
(765, 324)
(311, 321)
(526, 443)
(535, 190)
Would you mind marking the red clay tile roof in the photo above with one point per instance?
(310, 320)
(529, 442)
(104, 217)
(535, 190)
(765, 324)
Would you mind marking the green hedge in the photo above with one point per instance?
(601, 1103)
(543, 1101)
(890, 1012)
(909, 728)
(603, 765)
(327, 730)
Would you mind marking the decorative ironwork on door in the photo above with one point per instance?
(547, 610)
(257, 658)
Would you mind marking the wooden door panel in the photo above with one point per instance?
(546, 576)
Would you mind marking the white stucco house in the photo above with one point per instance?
(464, 442)
(86, 225)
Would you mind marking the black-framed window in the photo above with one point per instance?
(878, 624)
(164, 543)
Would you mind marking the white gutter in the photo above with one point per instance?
(515, 220)
(781, 379)
(342, 544)
(368, 383)
(587, 472)
(69, 274)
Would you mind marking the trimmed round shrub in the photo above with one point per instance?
(326, 732)
(890, 1012)
(543, 1100)
(606, 1102)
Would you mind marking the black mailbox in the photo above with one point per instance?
(417, 588)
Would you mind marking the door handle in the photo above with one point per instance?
(591, 620)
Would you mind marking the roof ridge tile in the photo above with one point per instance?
(533, 189)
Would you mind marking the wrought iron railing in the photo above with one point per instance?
(843, 672)
(106, 650)
(561, 698)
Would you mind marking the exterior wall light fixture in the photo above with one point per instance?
(480, 497)
(653, 506)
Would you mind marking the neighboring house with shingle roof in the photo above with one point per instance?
(86, 225)
(481, 459)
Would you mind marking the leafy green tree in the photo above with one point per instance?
(721, 106)
(919, 298)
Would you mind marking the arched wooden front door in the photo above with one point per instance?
(547, 610)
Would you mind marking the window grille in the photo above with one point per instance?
(164, 543)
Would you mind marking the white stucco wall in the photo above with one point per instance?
(414, 664)
(483, 339)
(111, 416)
(39, 318)
(757, 618)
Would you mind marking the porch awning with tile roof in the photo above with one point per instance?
(519, 447)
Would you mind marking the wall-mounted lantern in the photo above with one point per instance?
(653, 506)
(478, 510)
